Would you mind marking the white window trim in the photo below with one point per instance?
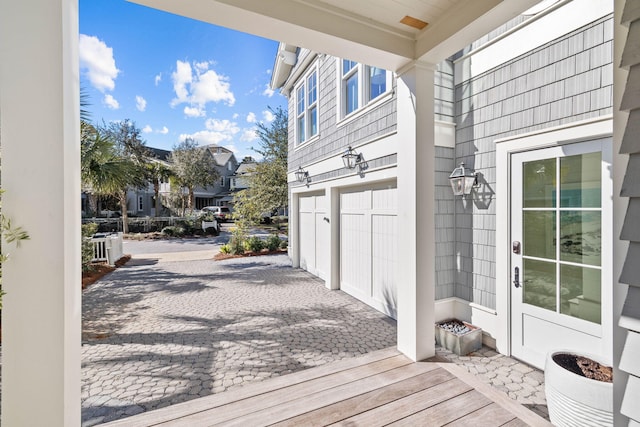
(364, 105)
(303, 83)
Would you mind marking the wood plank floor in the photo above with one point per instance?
(377, 389)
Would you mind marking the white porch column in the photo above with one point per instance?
(416, 233)
(39, 125)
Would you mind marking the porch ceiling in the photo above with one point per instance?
(363, 30)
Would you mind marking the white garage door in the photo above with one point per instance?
(314, 234)
(368, 246)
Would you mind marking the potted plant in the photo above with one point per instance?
(579, 389)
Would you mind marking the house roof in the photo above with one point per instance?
(245, 168)
(223, 158)
(160, 154)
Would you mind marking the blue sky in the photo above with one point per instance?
(175, 77)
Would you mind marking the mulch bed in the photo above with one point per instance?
(220, 256)
(99, 270)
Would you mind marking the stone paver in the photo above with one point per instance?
(156, 332)
(518, 380)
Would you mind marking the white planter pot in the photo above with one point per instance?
(574, 400)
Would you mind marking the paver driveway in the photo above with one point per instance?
(160, 331)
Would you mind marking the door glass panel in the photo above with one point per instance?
(539, 184)
(539, 283)
(580, 294)
(539, 239)
(580, 181)
(580, 237)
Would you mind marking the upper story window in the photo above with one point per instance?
(307, 107)
(360, 85)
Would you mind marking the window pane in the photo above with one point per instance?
(313, 121)
(539, 237)
(351, 94)
(581, 295)
(347, 66)
(539, 184)
(312, 89)
(580, 237)
(377, 82)
(580, 181)
(539, 283)
(301, 131)
(300, 100)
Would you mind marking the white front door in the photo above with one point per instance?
(368, 245)
(561, 250)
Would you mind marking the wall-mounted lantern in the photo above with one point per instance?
(302, 175)
(463, 180)
(351, 159)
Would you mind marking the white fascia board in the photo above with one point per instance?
(531, 34)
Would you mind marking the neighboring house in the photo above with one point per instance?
(141, 202)
(239, 178)
(217, 194)
(527, 255)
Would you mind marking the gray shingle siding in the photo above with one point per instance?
(566, 80)
(445, 225)
(334, 137)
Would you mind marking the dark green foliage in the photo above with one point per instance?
(88, 230)
(273, 242)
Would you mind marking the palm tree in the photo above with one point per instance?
(156, 173)
(103, 171)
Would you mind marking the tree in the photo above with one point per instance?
(193, 166)
(132, 152)
(267, 190)
(156, 173)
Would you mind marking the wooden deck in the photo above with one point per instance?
(380, 388)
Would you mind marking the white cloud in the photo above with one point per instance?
(268, 91)
(97, 62)
(268, 116)
(158, 79)
(163, 131)
(193, 112)
(147, 129)
(141, 103)
(251, 118)
(181, 78)
(248, 135)
(111, 102)
(199, 85)
(225, 126)
(216, 131)
(235, 116)
(231, 147)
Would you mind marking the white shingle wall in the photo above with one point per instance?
(566, 80)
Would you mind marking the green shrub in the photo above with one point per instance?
(225, 249)
(236, 245)
(284, 244)
(173, 231)
(88, 230)
(254, 244)
(273, 242)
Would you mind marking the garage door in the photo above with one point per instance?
(368, 246)
(314, 234)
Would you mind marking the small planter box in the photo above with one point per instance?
(458, 343)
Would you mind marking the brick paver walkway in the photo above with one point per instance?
(159, 332)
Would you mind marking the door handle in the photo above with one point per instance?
(516, 277)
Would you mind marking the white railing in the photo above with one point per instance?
(107, 248)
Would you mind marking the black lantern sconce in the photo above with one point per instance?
(351, 159)
(302, 175)
(463, 181)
